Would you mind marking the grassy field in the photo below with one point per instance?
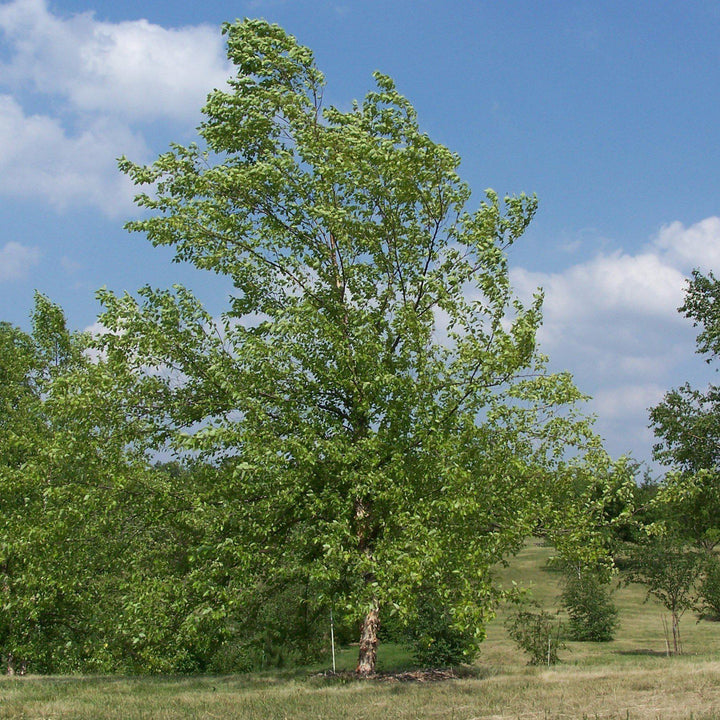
(630, 677)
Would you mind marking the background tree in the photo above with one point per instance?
(593, 516)
(374, 384)
(671, 572)
(687, 425)
(91, 549)
(687, 503)
(709, 589)
(702, 306)
(41, 588)
(107, 563)
(537, 633)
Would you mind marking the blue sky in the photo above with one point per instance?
(609, 111)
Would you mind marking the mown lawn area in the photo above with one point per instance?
(630, 677)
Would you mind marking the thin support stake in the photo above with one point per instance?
(332, 637)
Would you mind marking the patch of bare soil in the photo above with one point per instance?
(420, 676)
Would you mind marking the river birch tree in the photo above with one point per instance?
(374, 379)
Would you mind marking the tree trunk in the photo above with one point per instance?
(369, 642)
(369, 629)
(677, 643)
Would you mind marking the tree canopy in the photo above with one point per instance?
(374, 384)
(93, 542)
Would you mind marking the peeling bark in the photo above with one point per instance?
(369, 642)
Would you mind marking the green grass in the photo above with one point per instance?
(640, 633)
(630, 677)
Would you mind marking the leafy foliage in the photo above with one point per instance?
(374, 382)
(687, 421)
(588, 601)
(537, 633)
(689, 504)
(435, 639)
(702, 306)
(687, 425)
(671, 572)
(368, 426)
(592, 510)
(94, 544)
(710, 589)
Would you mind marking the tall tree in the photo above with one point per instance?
(687, 425)
(374, 381)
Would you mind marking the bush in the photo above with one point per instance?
(593, 615)
(709, 591)
(435, 640)
(537, 633)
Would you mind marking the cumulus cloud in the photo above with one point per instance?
(608, 285)
(101, 83)
(40, 159)
(617, 402)
(611, 298)
(612, 320)
(623, 418)
(695, 246)
(16, 260)
(134, 69)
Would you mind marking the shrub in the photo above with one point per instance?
(537, 633)
(588, 601)
(435, 640)
(709, 591)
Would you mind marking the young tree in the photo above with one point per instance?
(670, 570)
(587, 598)
(374, 381)
(536, 632)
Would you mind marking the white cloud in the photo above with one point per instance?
(607, 284)
(613, 322)
(135, 69)
(39, 158)
(98, 83)
(622, 413)
(16, 260)
(618, 295)
(695, 246)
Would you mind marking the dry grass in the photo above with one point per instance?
(654, 688)
(628, 678)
